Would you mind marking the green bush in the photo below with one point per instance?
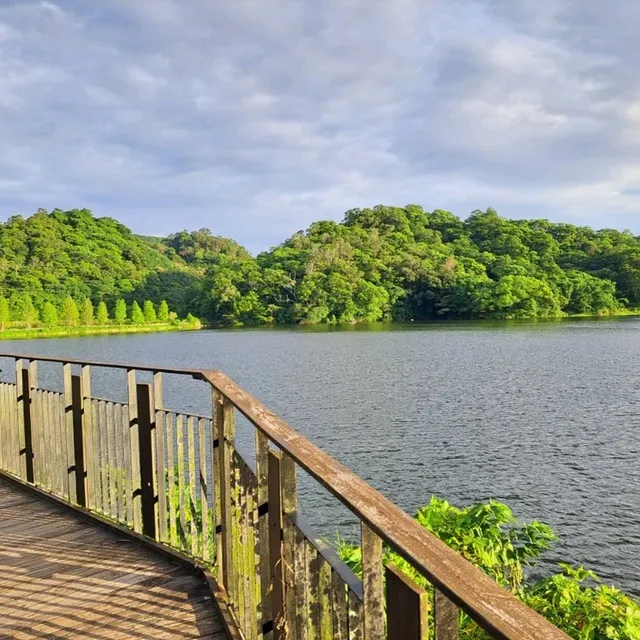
(491, 538)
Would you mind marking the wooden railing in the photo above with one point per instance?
(179, 480)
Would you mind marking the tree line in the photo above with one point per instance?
(377, 264)
(20, 310)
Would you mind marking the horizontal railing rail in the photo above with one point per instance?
(181, 480)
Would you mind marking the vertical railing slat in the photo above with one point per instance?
(339, 607)
(193, 484)
(161, 456)
(446, 618)
(276, 586)
(104, 457)
(173, 497)
(113, 463)
(146, 463)
(356, 626)
(121, 488)
(262, 480)
(78, 440)
(373, 585)
(289, 508)
(226, 444)
(407, 607)
(134, 437)
(204, 490)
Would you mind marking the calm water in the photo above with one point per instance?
(543, 416)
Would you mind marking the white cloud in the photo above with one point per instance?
(256, 118)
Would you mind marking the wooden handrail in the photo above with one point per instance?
(198, 374)
(494, 608)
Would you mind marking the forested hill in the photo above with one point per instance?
(380, 263)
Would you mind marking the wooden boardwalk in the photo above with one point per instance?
(62, 576)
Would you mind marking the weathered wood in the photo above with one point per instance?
(325, 599)
(134, 439)
(407, 607)
(276, 577)
(91, 480)
(182, 510)
(205, 490)
(159, 458)
(104, 456)
(313, 593)
(356, 622)
(289, 508)
(69, 577)
(121, 485)
(74, 412)
(193, 485)
(301, 584)
(145, 449)
(111, 456)
(339, 607)
(460, 581)
(126, 446)
(26, 439)
(172, 499)
(227, 440)
(262, 559)
(373, 585)
(218, 498)
(446, 618)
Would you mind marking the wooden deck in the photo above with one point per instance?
(62, 576)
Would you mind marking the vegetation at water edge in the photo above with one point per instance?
(69, 268)
(489, 536)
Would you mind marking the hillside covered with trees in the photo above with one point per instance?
(384, 263)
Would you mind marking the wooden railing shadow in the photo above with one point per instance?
(179, 482)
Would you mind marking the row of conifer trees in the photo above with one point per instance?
(72, 314)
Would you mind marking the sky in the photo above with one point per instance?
(256, 117)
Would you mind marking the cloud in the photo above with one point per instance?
(254, 118)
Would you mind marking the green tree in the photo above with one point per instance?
(5, 314)
(120, 312)
(149, 312)
(30, 315)
(102, 314)
(137, 317)
(163, 312)
(70, 313)
(49, 315)
(87, 312)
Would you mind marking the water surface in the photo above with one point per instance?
(542, 415)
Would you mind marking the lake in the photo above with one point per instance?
(544, 416)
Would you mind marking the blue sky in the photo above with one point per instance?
(256, 117)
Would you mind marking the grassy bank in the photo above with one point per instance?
(68, 332)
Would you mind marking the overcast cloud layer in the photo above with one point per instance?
(256, 117)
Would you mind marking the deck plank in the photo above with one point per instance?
(62, 576)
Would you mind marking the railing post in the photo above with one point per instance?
(406, 607)
(446, 618)
(78, 417)
(226, 435)
(372, 584)
(275, 545)
(135, 512)
(288, 476)
(27, 438)
(145, 435)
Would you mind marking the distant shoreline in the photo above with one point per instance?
(78, 332)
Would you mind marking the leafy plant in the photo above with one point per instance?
(491, 538)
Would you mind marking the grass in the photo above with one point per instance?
(64, 332)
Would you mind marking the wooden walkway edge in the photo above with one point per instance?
(62, 576)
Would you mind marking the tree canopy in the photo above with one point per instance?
(380, 263)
